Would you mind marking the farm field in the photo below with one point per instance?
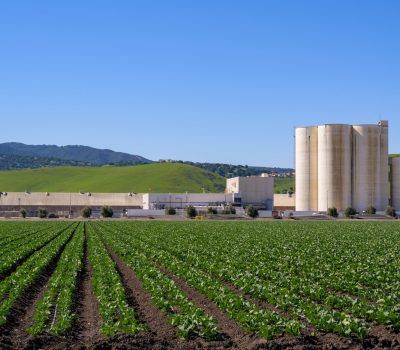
(199, 285)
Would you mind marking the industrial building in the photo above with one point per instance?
(340, 165)
(240, 191)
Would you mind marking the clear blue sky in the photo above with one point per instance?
(217, 81)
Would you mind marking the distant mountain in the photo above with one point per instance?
(12, 162)
(81, 155)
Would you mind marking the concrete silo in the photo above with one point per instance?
(334, 166)
(306, 140)
(395, 183)
(370, 167)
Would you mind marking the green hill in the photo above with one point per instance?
(162, 177)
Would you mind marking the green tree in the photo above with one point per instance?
(42, 213)
(230, 209)
(191, 211)
(252, 211)
(86, 212)
(212, 210)
(391, 211)
(170, 211)
(106, 212)
(349, 212)
(371, 210)
(333, 212)
(23, 213)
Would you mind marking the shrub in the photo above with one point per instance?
(230, 209)
(349, 212)
(86, 212)
(53, 216)
(42, 213)
(170, 211)
(191, 211)
(370, 210)
(212, 210)
(252, 211)
(391, 211)
(106, 212)
(23, 213)
(332, 212)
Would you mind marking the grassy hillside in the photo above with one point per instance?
(284, 184)
(164, 177)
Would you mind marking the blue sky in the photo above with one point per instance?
(217, 81)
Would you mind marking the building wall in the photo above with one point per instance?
(181, 200)
(285, 201)
(52, 199)
(255, 190)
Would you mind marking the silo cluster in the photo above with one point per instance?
(340, 165)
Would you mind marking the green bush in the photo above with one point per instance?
(349, 212)
(191, 211)
(391, 211)
(332, 212)
(23, 213)
(252, 211)
(170, 211)
(230, 209)
(370, 210)
(212, 210)
(86, 212)
(107, 212)
(42, 213)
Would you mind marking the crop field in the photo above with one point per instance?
(199, 285)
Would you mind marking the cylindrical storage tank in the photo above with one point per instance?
(368, 180)
(306, 140)
(334, 166)
(395, 183)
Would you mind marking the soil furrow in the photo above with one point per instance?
(141, 301)
(231, 331)
(87, 327)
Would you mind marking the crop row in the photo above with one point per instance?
(259, 263)
(18, 251)
(13, 287)
(59, 295)
(188, 319)
(113, 306)
(258, 321)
